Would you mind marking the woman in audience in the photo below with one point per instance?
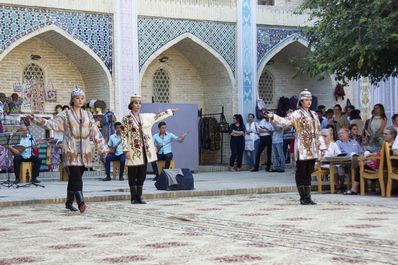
(252, 140)
(339, 120)
(237, 143)
(375, 127)
(331, 148)
(355, 118)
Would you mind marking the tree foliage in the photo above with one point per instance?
(352, 38)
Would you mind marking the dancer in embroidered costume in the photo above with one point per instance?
(306, 145)
(78, 126)
(138, 144)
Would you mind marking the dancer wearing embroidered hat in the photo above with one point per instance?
(78, 126)
(306, 143)
(138, 144)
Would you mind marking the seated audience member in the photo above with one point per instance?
(389, 135)
(355, 118)
(328, 119)
(331, 148)
(332, 131)
(351, 148)
(354, 133)
(347, 145)
(395, 121)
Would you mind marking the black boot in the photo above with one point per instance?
(80, 201)
(70, 197)
(308, 195)
(133, 194)
(139, 194)
(121, 177)
(301, 191)
(108, 177)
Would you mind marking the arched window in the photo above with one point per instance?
(266, 87)
(266, 2)
(161, 86)
(33, 72)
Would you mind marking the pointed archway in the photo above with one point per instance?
(97, 79)
(205, 73)
(278, 64)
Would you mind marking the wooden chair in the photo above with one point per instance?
(391, 171)
(319, 173)
(25, 172)
(161, 165)
(366, 174)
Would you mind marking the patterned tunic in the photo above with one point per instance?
(132, 140)
(76, 141)
(307, 127)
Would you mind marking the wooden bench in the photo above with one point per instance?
(25, 172)
(63, 176)
(161, 165)
(116, 169)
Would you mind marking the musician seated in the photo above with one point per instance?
(27, 156)
(116, 153)
(163, 142)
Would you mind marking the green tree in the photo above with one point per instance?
(352, 38)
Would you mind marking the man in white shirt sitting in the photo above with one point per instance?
(27, 156)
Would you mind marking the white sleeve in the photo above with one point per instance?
(395, 144)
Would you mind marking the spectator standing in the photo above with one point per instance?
(265, 132)
(376, 126)
(277, 149)
(252, 140)
(237, 131)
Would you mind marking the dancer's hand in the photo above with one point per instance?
(174, 110)
(127, 154)
(30, 116)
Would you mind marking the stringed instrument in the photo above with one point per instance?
(183, 135)
(17, 150)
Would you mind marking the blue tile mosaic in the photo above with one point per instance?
(93, 29)
(269, 38)
(153, 33)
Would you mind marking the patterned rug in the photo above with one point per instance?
(258, 229)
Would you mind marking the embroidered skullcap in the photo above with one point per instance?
(91, 103)
(76, 92)
(135, 97)
(305, 94)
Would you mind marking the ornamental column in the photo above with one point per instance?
(126, 54)
(246, 56)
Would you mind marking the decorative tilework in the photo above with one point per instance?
(248, 39)
(153, 33)
(269, 38)
(93, 29)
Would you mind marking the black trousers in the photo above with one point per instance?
(265, 141)
(237, 149)
(137, 175)
(36, 162)
(75, 182)
(304, 168)
(166, 157)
